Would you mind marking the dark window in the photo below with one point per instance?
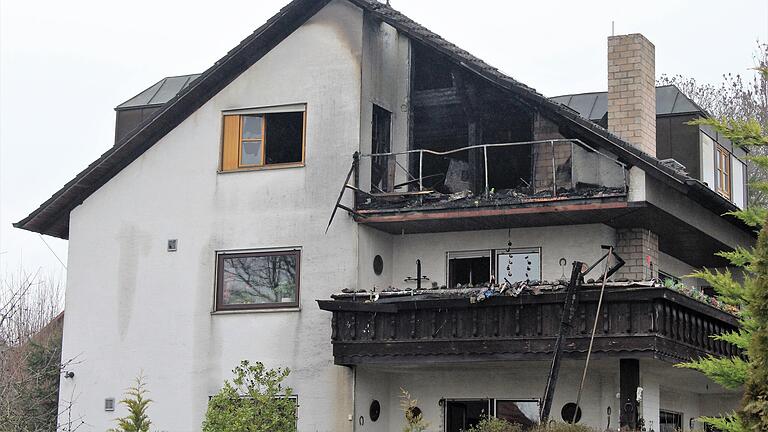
(670, 421)
(469, 268)
(382, 175)
(460, 415)
(257, 140)
(258, 280)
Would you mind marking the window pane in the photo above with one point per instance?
(251, 154)
(259, 279)
(285, 138)
(524, 413)
(252, 127)
(469, 271)
(518, 266)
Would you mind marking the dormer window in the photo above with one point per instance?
(723, 172)
(263, 138)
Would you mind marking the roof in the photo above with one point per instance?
(159, 93)
(594, 106)
(52, 217)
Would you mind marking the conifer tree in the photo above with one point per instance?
(749, 369)
(137, 403)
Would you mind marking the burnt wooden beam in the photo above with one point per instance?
(436, 97)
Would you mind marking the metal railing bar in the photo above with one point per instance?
(448, 152)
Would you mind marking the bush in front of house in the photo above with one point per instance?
(492, 424)
(254, 401)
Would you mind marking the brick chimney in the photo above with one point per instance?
(632, 90)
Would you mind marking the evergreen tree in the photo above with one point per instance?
(750, 369)
(137, 403)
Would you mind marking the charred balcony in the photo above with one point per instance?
(446, 326)
(545, 182)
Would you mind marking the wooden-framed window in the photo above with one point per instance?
(266, 138)
(723, 172)
(257, 280)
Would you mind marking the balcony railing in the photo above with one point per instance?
(558, 168)
(445, 326)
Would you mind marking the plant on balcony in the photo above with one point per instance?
(751, 369)
(254, 401)
(414, 421)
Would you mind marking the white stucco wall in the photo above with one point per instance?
(132, 306)
(664, 387)
(574, 242)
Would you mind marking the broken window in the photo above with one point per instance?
(382, 174)
(263, 138)
(469, 268)
(255, 280)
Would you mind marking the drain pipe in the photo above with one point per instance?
(354, 393)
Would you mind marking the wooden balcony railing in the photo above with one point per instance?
(435, 327)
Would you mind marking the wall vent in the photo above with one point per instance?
(109, 404)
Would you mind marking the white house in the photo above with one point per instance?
(199, 239)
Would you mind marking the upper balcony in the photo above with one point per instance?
(532, 183)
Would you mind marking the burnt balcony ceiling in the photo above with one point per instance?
(451, 326)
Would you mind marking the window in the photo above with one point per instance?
(723, 172)
(461, 414)
(518, 265)
(670, 421)
(474, 268)
(263, 139)
(382, 167)
(257, 280)
(469, 268)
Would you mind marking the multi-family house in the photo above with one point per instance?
(460, 199)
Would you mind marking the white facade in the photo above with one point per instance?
(133, 307)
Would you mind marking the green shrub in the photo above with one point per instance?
(255, 401)
(562, 427)
(493, 424)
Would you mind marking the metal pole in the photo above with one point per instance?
(554, 171)
(485, 156)
(594, 330)
(421, 172)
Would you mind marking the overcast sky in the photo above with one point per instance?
(64, 66)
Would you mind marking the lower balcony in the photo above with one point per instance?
(637, 320)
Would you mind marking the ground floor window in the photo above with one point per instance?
(461, 414)
(257, 280)
(475, 268)
(670, 421)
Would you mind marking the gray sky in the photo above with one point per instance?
(64, 66)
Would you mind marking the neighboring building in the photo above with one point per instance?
(200, 239)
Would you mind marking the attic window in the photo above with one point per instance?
(265, 138)
(723, 172)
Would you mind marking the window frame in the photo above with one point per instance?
(263, 113)
(723, 172)
(492, 255)
(219, 305)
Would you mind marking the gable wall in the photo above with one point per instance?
(132, 306)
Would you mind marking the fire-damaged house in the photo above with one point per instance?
(347, 194)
